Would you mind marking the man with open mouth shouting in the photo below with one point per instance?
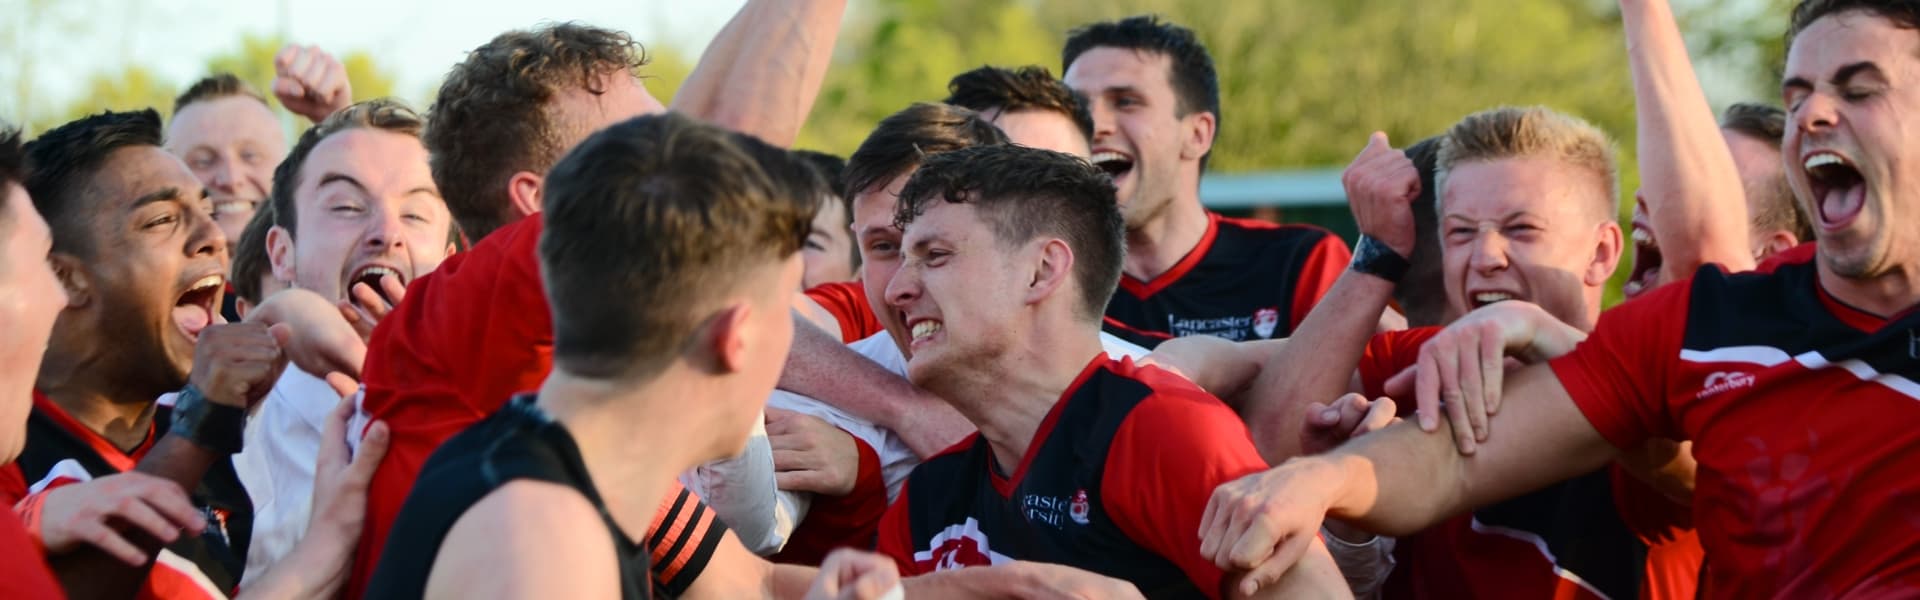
(143, 264)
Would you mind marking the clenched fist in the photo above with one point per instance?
(1381, 185)
(236, 364)
(310, 82)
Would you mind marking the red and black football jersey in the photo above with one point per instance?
(469, 336)
(61, 451)
(1600, 535)
(1246, 280)
(1802, 413)
(1114, 482)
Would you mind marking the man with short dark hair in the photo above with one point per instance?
(1034, 109)
(442, 360)
(1081, 459)
(143, 265)
(1737, 363)
(1155, 99)
(527, 501)
(830, 253)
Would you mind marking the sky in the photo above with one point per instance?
(417, 40)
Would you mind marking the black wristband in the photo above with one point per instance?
(1373, 257)
(216, 427)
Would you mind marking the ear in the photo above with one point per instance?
(1197, 138)
(1777, 242)
(726, 337)
(280, 252)
(1606, 254)
(524, 189)
(1053, 268)
(241, 307)
(67, 268)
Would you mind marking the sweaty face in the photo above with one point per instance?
(30, 299)
(158, 267)
(367, 207)
(829, 249)
(880, 253)
(1525, 229)
(960, 292)
(1137, 134)
(1852, 149)
(1044, 129)
(232, 144)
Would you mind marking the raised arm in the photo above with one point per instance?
(761, 75)
(1401, 480)
(1693, 191)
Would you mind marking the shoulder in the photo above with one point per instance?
(1166, 402)
(526, 538)
(1264, 231)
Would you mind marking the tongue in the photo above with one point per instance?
(1840, 206)
(192, 318)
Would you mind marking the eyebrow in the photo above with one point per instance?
(1840, 77)
(170, 194)
(336, 177)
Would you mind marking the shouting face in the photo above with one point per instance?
(1139, 136)
(367, 208)
(232, 145)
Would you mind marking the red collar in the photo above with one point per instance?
(120, 460)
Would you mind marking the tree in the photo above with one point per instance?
(253, 63)
(133, 88)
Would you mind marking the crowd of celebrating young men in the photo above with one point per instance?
(556, 339)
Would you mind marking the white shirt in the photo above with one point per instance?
(282, 445)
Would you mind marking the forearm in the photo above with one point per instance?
(790, 581)
(1401, 480)
(1318, 371)
(761, 74)
(179, 460)
(1000, 581)
(316, 568)
(742, 491)
(1693, 190)
(818, 366)
(1223, 368)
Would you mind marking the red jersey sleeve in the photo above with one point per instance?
(1166, 459)
(840, 522)
(1618, 376)
(1388, 354)
(1323, 266)
(895, 539)
(847, 302)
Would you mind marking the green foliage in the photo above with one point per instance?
(253, 63)
(134, 87)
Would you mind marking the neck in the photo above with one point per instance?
(605, 418)
(1012, 394)
(1886, 295)
(105, 405)
(1159, 244)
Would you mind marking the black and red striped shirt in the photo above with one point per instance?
(1246, 280)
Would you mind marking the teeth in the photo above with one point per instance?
(925, 328)
(1100, 157)
(1642, 237)
(232, 207)
(1821, 160)
(207, 282)
(378, 272)
(1491, 297)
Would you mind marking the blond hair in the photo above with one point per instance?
(1532, 132)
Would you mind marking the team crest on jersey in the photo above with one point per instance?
(958, 547)
(1080, 508)
(1265, 321)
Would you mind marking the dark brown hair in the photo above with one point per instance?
(1024, 193)
(651, 222)
(1773, 203)
(905, 138)
(1011, 90)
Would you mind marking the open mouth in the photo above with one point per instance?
(371, 275)
(1839, 191)
(195, 309)
(1480, 299)
(1115, 164)
(1646, 263)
